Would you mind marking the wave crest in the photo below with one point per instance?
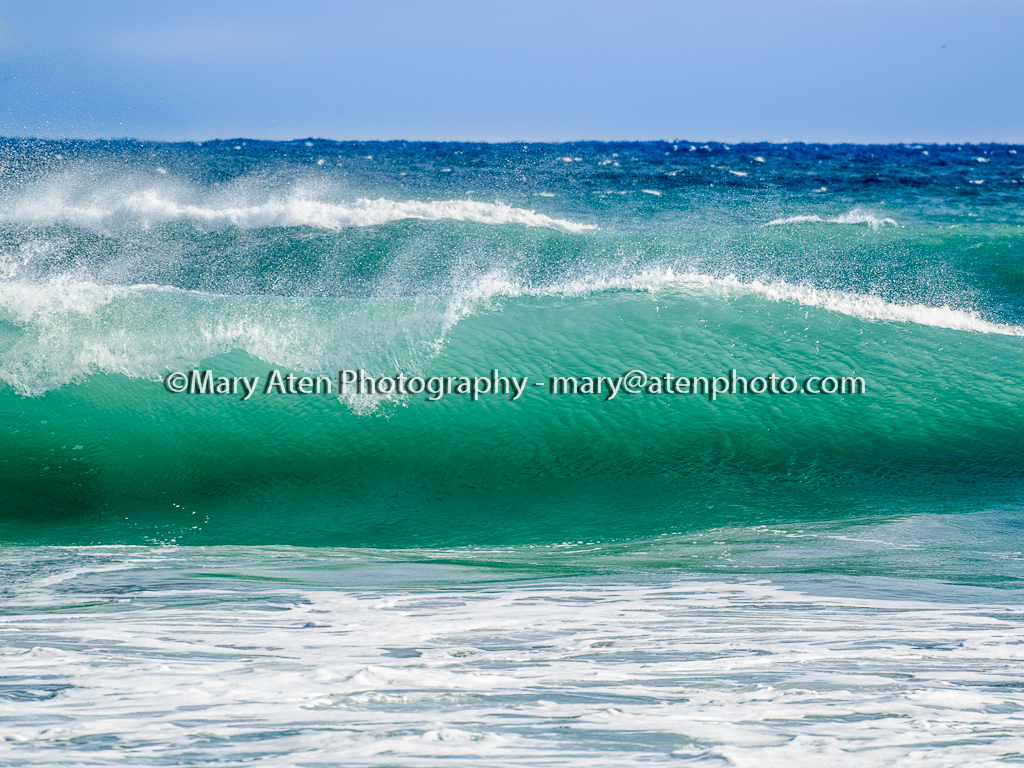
(863, 306)
(856, 216)
(149, 208)
(63, 330)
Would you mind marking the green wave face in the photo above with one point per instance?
(938, 427)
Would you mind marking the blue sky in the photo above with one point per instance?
(732, 70)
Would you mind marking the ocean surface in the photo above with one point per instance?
(710, 455)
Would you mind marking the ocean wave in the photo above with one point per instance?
(149, 208)
(856, 216)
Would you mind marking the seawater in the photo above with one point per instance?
(367, 579)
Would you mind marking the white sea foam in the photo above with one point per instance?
(855, 216)
(738, 672)
(149, 208)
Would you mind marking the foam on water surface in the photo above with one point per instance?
(148, 656)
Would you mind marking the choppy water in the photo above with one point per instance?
(388, 580)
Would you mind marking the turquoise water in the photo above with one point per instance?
(136, 517)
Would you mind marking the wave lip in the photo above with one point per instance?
(149, 207)
(862, 306)
(35, 302)
(64, 329)
(867, 307)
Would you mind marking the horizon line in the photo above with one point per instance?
(694, 142)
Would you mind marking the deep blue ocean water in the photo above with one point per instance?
(824, 568)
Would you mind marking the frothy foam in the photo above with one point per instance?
(149, 208)
(698, 671)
